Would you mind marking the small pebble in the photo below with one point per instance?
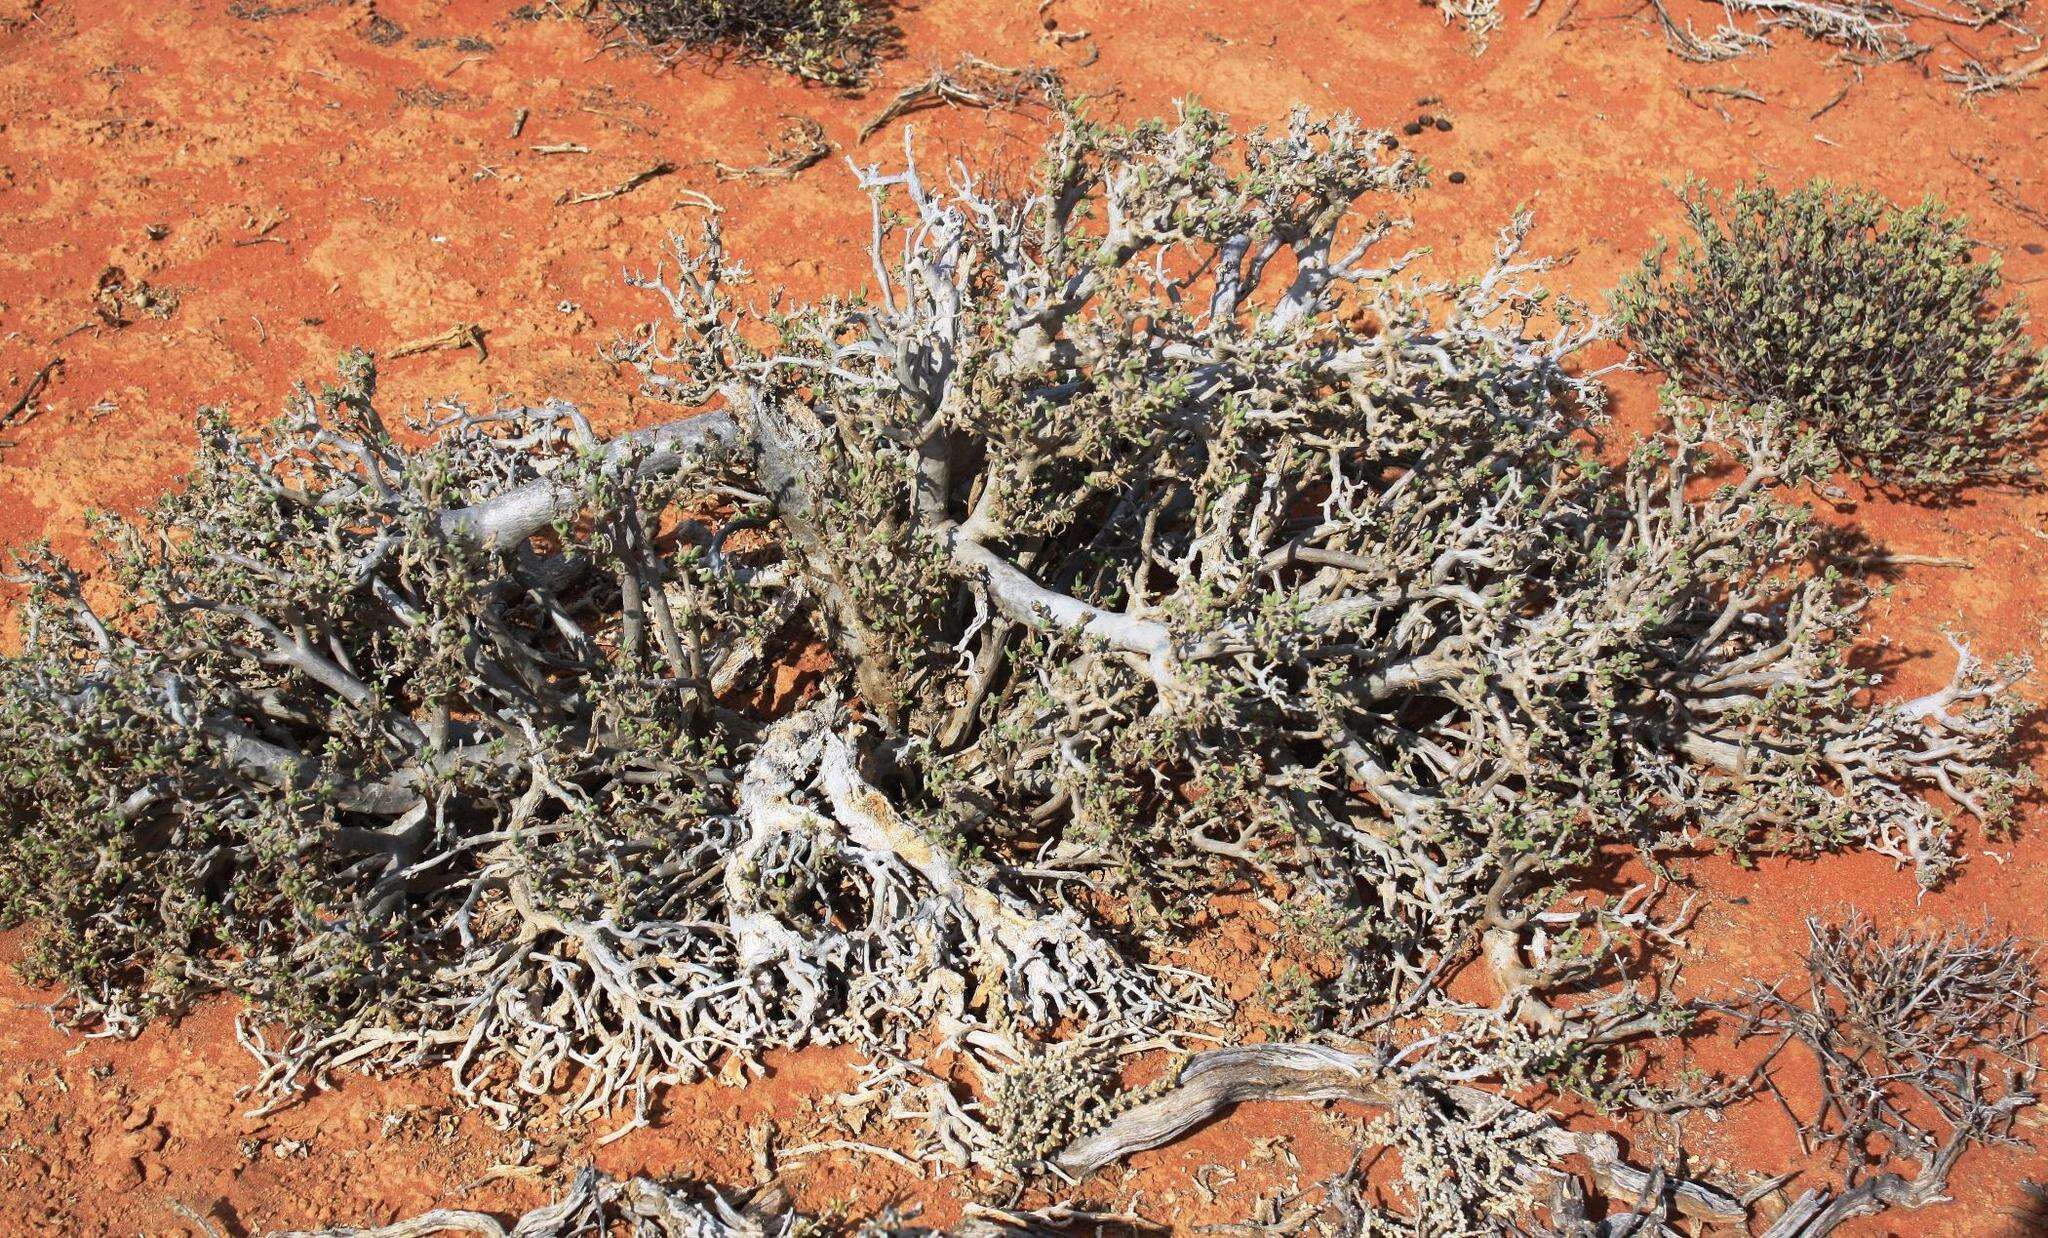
(1457, 178)
(1443, 125)
(1411, 128)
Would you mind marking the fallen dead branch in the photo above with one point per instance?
(1871, 30)
(972, 83)
(1216, 1080)
(25, 402)
(1925, 1045)
(622, 188)
(1724, 92)
(1725, 43)
(800, 145)
(1694, 94)
(1835, 99)
(1902, 559)
(1976, 79)
(461, 335)
(1867, 31)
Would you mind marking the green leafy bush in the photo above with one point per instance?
(835, 42)
(1868, 323)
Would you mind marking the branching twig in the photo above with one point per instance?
(801, 145)
(972, 83)
(623, 187)
(25, 402)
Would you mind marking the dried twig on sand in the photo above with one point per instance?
(973, 82)
(1976, 79)
(1221, 1078)
(1724, 44)
(461, 335)
(1867, 31)
(801, 144)
(25, 402)
(1693, 94)
(623, 187)
(1835, 99)
(1925, 1046)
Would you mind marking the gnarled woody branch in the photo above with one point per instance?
(507, 520)
(1215, 1080)
(805, 799)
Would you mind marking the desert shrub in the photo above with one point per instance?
(835, 42)
(1168, 544)
(387, 770)
(1926, 1045)
(1873, 325)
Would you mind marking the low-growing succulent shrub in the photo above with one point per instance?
(835, 42)
(1172, 550)
(1874, 325)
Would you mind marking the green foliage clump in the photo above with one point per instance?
(328, 753)
(835, 42)
(1870, 324)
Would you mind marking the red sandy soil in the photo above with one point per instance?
(302, 189)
